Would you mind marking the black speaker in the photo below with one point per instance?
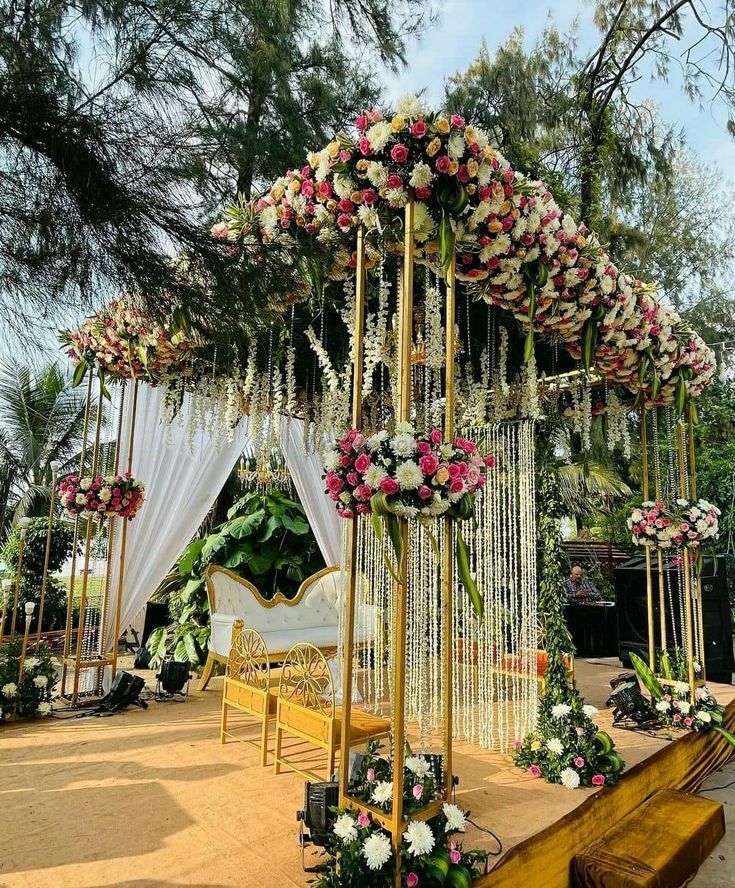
(124, 692)
(632, 609)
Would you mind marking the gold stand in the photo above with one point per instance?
(688, 616)
(394, 821)
(649, 574)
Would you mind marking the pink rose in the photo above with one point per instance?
(358, 440)
(435, 436)
(418, 791)
(423, 447)
(324, 189)
(423, 193)
(353, 479)
(517, 744)
(424, 492)
(688, 721)
(363, 492)
(363, 820)
(598, 780)
(220, 231)
(307, 188)
(534, 771)
(677, 718)
(346, 513)
(490, 461)
(389, 486)
(428, 464)
(370, 775)
(457, 486)
(456, 121)
(361, 122)
(412, 880)
(455, 855)
(369, 196)
(399, 153)
(344, 221)
(364, 508)
(345, 205)
(364, 146)
(580, 732)
(394, 181)
(463, 173)
(441, 164)
(418, 129)
(362, 463)
(453, 470)
(334, 483)
(579, 762)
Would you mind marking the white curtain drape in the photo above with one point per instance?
(182, 476)
(306, 473)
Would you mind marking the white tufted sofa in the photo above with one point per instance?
(311, 616)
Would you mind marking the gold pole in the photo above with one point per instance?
(649, 576)
(448, 560)
(687, 571)
(659, 554)
(23, 525)
(351, 561)
(693, 491)
(29, 608)
(87, 547)
(7, 589)
(75, 544)
(47, 555)
(403, 414)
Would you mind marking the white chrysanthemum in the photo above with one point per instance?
(376, 173)
(81, 499)
(663, 706)
(405, 428)
(456, 146)
(376, 850)
(404, 511)
(85, 483)
(417, 765)
(374, 476)
(554, 744)
(44, 708)
(382, 792)
(344, 828)
(379, 135)
(561, 710)
(9, 690)
(374, 441)
(105, 495)
(437, 506)
(31, 664)
(704, 717)
(569, 778)
(681, 687)
(419, 838)
(423, 222)
(421, 175)
(410, 106)
(331, 459)
(403, 444)
(409, 475)
(590, 711)
(368, 216)
(40, 681)
(455, 818)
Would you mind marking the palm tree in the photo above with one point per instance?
(41, 420)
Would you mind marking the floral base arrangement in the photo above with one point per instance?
(431, 854)
(100, 496)
(374, 781)
(568, 748)
(406, 476)
(672, 701)
(29, 695)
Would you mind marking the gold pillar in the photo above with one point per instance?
(23, 525)
(693, 497)
(687, 567)
(47, 555)
(649, 574)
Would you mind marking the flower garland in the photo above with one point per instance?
(511, 239)
(657, 525)
(568, 748)
(431, 854)
(120, 340)
(120, 495)
(407, 477)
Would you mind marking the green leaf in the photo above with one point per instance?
(245, 525)
(260, 564)
(725, 733)
(459, 877)
(156, 644)
(213, 544)
(271, 527)
(649, 680)
(465, 575)
(192, 653)
(191, 588)
(191, 554)
(80, 371)
(295, 573)
(295, 525)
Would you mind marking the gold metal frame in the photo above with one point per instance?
(247, 686)
(394, 821)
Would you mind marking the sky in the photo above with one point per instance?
(453, 43)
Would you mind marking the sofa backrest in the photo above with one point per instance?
(315, 604)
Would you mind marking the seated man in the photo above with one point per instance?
(579, 590)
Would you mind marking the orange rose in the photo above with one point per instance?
(442, 125)
(441, 475)
(433, 146)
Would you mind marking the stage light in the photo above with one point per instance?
(173, 677)
(125, 691)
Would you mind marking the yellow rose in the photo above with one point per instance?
(505, 208)
(295, 186)
(453, 167)
(433, 146)
(470, 133)
(277, 192)
(494, 226)
(472, 167)
(442, 125)
(441, 476)
(356, 197)
(333, 149)
(362, 165)
(398, 123)
(471, 188)
(535, 746)
(331, 205)
(581, 241)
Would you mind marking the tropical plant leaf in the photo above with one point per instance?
(645, 674)
(295, 525)
(157, 643)
(190, 556)
(725, 733)
(192, 652)
(260, 564)
(244, 525)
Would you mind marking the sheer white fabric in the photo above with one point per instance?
(306, 473)
(182, 477)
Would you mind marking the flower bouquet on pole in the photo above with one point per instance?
(694, 525)
(409, 477)
(120, 495)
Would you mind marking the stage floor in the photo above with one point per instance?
(150, 799)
